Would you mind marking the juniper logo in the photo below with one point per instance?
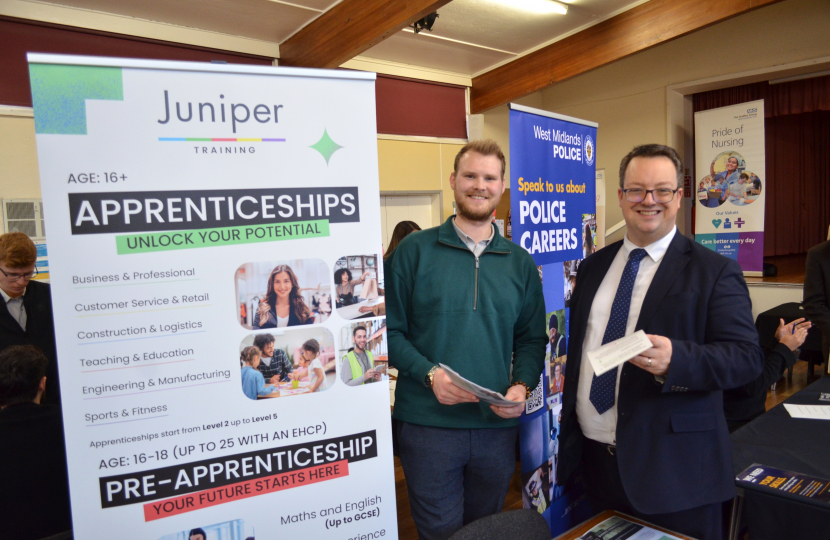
(236, 113)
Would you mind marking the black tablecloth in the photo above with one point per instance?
(777, 440)
(767, 323)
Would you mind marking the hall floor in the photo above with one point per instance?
(406, 527)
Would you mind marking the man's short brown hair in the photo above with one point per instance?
(22, 367)
(485, 147)
(653, 151)
(17, 250)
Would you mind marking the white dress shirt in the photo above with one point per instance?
(15, 307)
(603, 427)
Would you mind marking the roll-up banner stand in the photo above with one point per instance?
(196, 211)
(731, 170)
(553, 206)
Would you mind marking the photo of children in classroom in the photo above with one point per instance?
(358, 287)
(363, 353)
(276, 294)
(287, 363)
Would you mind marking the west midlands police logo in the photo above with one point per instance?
(589, 150)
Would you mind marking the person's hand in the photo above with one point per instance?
(377, 376)
(364, 309)
(365, 274)
(792, 340)
(448, 393)
(655, 360)
(514, 393)
(787, 329)
(369, 374)
(275, 379)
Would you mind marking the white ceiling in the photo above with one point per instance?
(470, 36)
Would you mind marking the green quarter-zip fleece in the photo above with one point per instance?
(474, 314)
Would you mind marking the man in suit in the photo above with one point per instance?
(26, 313)
(33, 472)
(651, 435)
(817, 292)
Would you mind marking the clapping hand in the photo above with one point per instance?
(792, 335)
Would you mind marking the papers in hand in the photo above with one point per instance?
(618, 352)
(484, 394)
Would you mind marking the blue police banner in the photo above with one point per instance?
(552, 164)
(553, 216)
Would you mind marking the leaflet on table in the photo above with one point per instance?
(766, 478)
(484, 394)
(811, 412)
(618, 352)
(193, 209)
(619, 527)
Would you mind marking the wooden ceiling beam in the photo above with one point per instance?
(349, 28)
(635, 30)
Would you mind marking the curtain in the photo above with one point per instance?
(797, 122)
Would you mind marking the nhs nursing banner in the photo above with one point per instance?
(553, 211)
(198, 218)
(731, 170)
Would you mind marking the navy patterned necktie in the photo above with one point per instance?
(604, 386)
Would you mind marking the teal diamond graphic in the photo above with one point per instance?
(326, 146)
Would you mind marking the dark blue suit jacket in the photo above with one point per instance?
(673, 445)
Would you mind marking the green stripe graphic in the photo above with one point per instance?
(223, 236)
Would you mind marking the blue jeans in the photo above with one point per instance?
(455, 476)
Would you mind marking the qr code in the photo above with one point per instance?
(537, 398)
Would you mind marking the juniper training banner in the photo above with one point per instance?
(553, 213)
(731, 170)
(202, 222)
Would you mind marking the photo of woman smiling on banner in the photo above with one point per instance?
(283, 293)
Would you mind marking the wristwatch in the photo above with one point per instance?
(430, 377)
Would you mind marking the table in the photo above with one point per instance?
(777, 440)
(285, 389)
(582, 528)
(767, 323)
(353, 311)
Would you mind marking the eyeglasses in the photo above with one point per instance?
(660, 195)
(15, 277)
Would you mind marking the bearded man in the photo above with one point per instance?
(463, 296)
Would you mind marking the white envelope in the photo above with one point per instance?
(618, 352)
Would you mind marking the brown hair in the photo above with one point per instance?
(402, 230)
(312, 346)
(295, 299)
(17, 250)
(22, 367)
(653, 151)
(248, 353)
(485, 147)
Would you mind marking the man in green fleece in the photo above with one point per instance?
(461, 295)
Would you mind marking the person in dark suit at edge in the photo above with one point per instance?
(817, 292)
(744, 404)
(651, 435)
(26, 314)
(33, 480)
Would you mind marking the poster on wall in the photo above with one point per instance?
(213, 230)
(553, 210)
(731, 170)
